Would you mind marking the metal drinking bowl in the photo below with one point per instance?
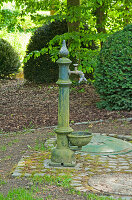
(80, 138)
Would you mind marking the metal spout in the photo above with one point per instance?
(80, 73)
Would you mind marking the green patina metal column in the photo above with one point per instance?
(62, 155)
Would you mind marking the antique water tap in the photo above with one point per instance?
(80, 73)
(62, 155)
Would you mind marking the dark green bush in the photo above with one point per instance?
(42, 69)
(9, 59)
(113, 74)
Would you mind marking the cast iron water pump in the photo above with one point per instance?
(62, 155)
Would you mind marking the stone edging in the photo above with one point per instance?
(127, 137)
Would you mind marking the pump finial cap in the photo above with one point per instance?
(64, 51)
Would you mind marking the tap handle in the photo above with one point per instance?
(75, 65)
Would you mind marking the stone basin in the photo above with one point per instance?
(80, 138)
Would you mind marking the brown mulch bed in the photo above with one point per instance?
(29, 106)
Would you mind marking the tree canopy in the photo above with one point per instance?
(104, 15)
(88, 21)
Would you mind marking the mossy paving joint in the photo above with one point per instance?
(38, 165)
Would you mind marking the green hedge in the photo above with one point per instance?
(9, 59)
(113, 74)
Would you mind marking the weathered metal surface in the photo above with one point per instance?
(107, 145)
(64, 51)
(79, 138)
(62, 155)
(63, 109)
(80, 73)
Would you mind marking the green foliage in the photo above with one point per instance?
(12, 21)
(9, 59)
(8, 18)
(42, 69)
(118, 15)
(84, 47)
(113, 77)
(105, 16)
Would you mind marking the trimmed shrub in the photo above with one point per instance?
(113, 74)
(9, 59)
(42, 69)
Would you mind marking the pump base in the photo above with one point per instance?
(62, 158)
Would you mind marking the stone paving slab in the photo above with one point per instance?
(91, 171)
(117, 183)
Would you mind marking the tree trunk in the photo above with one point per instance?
(52, 11)
(100, 19)
(74, 26)
(126, 17)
